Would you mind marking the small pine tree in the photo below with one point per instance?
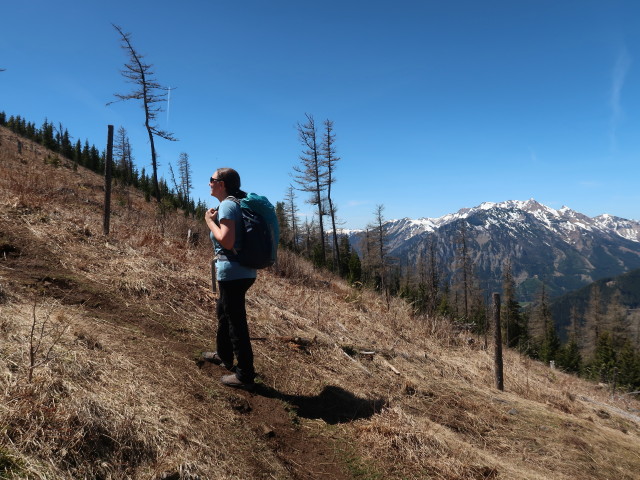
(628, 366)
(355, 268)
(604, 358)
(512, 320)
(283, 223)
(569, 357)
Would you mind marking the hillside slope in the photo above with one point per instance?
(115, 324)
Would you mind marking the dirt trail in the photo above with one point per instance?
(30, 266)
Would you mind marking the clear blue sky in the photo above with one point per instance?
(437, 105)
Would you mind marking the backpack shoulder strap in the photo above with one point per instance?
(233, 199)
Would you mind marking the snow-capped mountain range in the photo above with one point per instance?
(563, 248)
(565, 221)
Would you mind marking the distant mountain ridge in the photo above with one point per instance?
(564, 218)
(563, 248)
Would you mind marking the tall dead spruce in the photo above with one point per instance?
(152, 94)
(330, 161)
(311, 175)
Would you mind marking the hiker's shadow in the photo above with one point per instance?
(333, 404)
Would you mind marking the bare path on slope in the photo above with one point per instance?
(30, 266)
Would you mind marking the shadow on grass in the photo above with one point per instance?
(333, 405)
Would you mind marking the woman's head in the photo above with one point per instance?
(231, 180)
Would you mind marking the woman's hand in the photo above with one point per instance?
(211, 215)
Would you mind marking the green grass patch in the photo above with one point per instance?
(10, 466)
(357, 467)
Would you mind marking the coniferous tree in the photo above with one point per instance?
(616, 321)
(345, 254)
(200, 209)
(415, 281)
(175, 183)
(65, 147)
(432, 278)
(122, 155)
(309, 238)
(311, 176)
(355, 268)
(366, 263)
(47, 138)
(604, 358)
(464, 269)
(86, 155)
(152, 95)
(377, 250)
(186, 183)
(629, 366)
(283, 224)
(30, 130)
(570, 358)
(77, 154)
(545, 333)
(512, 321)
(594, 320)
(94, 159)
(291, 211)
(330, 161)
(444, 304)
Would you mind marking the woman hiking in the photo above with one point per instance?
(232, 338)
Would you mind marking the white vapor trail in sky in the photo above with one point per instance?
(168, 103)
(620, 69)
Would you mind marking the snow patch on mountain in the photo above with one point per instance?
(565, 222)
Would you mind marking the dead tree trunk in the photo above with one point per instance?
(497, 340)
(107, 182)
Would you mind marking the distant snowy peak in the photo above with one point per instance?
(564, 220)
(629, 229)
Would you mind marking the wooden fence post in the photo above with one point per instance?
(214, 282)
(107, 181)
(497, 339)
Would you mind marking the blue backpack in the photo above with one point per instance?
(259, 245)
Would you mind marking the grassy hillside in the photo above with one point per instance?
(99, 338)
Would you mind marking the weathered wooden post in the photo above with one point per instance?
(214, 282)
(497, 339)
(107, 182)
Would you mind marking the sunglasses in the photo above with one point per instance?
(211, 180)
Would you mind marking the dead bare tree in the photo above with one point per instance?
(291, 211)
(122, 157)
(311, 176)
(330, 161)
(150, 92)
(43, 337)
(376, 250)
(184, 171)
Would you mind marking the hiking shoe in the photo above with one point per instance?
(214, 358)
(233, 381)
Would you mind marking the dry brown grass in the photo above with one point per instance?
(121, 397)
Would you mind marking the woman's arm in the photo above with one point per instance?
(225, 234)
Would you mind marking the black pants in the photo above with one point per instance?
(233, 332)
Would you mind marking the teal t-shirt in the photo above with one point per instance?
(225, 269)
